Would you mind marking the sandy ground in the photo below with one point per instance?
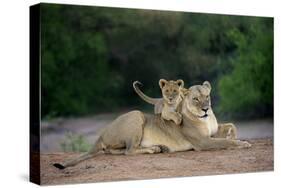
(53, 132)
(191, 163)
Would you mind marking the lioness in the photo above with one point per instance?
(168, 105)
(135, 132)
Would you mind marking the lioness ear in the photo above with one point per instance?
(184, 91)
(180, 83)
(162, 83)
(207, 84)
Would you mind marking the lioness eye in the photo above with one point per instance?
(195, 98)
(175, 91)
(167, 90)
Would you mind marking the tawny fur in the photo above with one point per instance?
(135, 132)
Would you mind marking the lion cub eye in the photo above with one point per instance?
(175, 91)
(166, 90)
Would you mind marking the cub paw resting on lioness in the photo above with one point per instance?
(168, 105)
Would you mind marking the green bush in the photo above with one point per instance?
(91, 56)
(248, 89)
(74, 143)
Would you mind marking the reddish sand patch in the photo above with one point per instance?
(191, 163)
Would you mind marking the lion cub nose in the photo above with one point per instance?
(205, 109)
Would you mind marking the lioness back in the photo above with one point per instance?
(124, 128)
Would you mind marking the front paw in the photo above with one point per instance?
(230, 134)
(164, 149)
(155, 149)
(244, 144)
(178, 119)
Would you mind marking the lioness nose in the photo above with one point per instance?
(205, 109)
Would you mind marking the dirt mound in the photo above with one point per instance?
(191, 163)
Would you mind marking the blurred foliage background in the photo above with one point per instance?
(91, 56)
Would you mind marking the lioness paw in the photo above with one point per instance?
(244, 144)
(155, 149)
(164, 149)
(230, 134)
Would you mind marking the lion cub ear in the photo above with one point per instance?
(180, 83)
(162, 83)
(207, 84)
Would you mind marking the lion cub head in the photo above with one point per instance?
(171, 90)
(198, 101)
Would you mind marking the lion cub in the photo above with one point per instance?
(171, 92)
(168, 105)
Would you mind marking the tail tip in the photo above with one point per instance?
(59, 166)
(137, 82)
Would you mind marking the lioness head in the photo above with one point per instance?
(198, 101)
(171, 90)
